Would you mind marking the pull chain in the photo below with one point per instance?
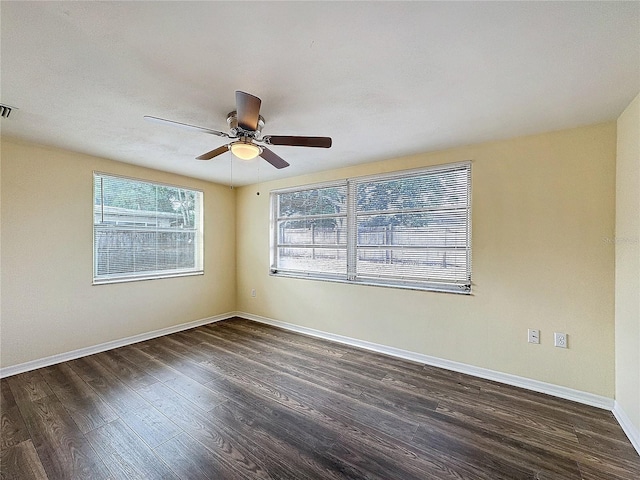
(259, 163)
(231, 170)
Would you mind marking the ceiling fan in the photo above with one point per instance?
(245, 127)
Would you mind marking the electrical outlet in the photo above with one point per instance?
(560, 340)
(533, 335)
(253, 292)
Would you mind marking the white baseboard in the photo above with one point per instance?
(82, 352)
(555, 390)
(630, 430)
(527, 383)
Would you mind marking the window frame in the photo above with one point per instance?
(273, 233)
(198, 230)
(351, 275)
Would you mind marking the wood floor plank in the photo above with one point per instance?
(241, 400)
(228, 337)
(215, 356)
(290, 439)
(617, 448)
(302, 437)
(150, 364)
(505, 427)
(359, 411)
(187, 337)
(364, 371)
(196, 393)
(62, 449)
(325, 377)
(382, 362)
(128, 457)
(301, 429)
(28, 386)
(540, 402)
(311, 358)
(13, 430)
(436, 386)
(172, 358)
(398, 400)
(493, 457)
(609, 456)
(605, 472)
(596, 421)
(386, 421)
(455, 438)
(7, 400)
(367, 463)
(325, 400)
(191, 460)
(296, 440)
(563, 444)
(127, 372)
(170, 342)
(224, 347)
(203, 429)
(21, 462)
(508, 417)
(344, 427)
(282, 466)
(150, 425)
(292, 340)
(84, 405)
(115, 393)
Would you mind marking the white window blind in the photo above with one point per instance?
(144, 230)
(410, 229)
(311, 231)
(413, 229)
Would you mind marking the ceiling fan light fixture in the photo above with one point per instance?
(245, 127)
(245, 150)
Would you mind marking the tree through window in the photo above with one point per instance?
(145, 230)
(407, 229)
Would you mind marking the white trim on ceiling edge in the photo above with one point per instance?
(529, 384)
(83, 352)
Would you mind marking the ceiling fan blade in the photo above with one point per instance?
(213, 153)
(185, 126)
(273, 159)
(248, 110)
(322, 142)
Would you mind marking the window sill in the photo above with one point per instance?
(457, 290)
(127, 279)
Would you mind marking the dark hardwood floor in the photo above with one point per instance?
(238, 399)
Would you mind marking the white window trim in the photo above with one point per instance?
(273, 233)
(150, 275)
(350, 276)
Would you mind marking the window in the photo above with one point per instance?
(312, 231)
(408, 229)
(144, 230)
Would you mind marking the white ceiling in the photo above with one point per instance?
(383, 79)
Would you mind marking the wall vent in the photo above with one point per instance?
(5, 111)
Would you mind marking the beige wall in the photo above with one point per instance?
(543, 220)
(627, 297)
(49, 305)
(543, 257)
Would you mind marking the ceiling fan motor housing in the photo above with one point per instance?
(238, 131)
